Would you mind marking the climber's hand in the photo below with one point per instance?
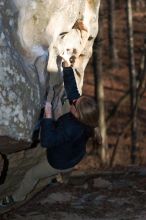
(70, 62)
(48, 110)
(66, 64)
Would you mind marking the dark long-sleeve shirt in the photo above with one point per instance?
(65, 139)
(70, 84)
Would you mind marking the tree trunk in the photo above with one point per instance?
(111, 32)
(99, 90)
(133, 81)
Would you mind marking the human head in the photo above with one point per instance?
(87, 111)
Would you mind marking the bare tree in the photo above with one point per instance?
(140, 92)
(111, 32)
(99, 91)
(139, 4)
(133, 81)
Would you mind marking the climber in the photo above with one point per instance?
(65, 139)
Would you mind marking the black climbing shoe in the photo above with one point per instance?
(7, 201)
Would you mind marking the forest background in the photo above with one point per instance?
(116, 76)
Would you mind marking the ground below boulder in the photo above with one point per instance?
(111, 194)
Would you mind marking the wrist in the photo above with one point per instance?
(67, 67)
(66, 64)
(48, 114)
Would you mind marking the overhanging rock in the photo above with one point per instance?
(33, 36)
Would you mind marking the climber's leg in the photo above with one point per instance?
(31, 178)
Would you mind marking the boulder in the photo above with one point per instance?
(34, 35)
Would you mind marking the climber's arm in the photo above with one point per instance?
(52, 132)
(70, 83)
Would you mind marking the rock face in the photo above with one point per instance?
(33, 36)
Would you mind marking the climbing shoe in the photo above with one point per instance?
(6, 201)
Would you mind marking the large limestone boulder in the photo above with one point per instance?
(33, 36)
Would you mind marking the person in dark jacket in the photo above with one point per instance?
(65, 138)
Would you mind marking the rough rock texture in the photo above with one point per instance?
(33, 36)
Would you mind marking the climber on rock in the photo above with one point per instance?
(64, 139)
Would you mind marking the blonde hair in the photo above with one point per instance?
(88, 111)
(88, 114)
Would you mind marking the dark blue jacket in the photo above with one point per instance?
(65, 138)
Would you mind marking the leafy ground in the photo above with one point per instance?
(118, 194)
